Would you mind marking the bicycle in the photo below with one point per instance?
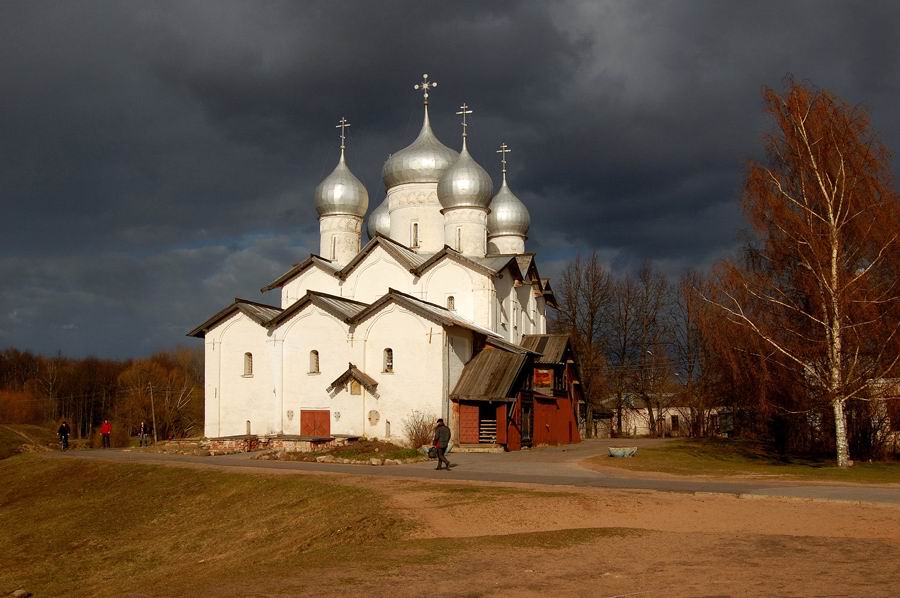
(63, 443)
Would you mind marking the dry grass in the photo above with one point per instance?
(741, 458)
(76, 527)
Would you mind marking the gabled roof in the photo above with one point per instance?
(449, 253)
(551, 347)
(340, 307)
(258, 312)
(357, 374)
(550, 298)
(298, 269)
(408, 258)
(432, 311)
(490, 376)
(497, 263)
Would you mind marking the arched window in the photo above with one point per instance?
(388, 360)
(414, 235)
(451, 303)
(248, 364)
(313, 362)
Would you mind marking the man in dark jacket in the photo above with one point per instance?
(441, 441)
(63, 433)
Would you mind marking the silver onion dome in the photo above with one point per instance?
(379, 221)
(508, 216)
(423, 161)
(341, 193)
(465, 184)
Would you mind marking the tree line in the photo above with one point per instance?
(797, 336)
(165, 391)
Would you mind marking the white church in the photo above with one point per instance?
(364, 335)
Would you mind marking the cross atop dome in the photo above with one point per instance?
(342, 125)
(463, 111)
(504, 149)
(425, 85)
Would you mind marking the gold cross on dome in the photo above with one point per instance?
(463, 111)
(504, 149)
(342, 125)
(425, 85)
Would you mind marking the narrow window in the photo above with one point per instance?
(313, 362)
(333, 247)
(451, 303)
(355, 387)
(414, 237)
(248, 364)
(459, 239)
(388, 360)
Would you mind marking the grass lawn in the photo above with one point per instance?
(742, 458)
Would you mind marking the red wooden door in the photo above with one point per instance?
(468, 423)
(315, 423)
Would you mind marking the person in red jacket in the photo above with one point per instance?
(105, 431)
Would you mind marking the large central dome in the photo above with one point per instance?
(425, 160)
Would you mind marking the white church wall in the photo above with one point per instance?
(311, 330)
(522, 298)
(416, 381)
(503, 293)
(240, 398)
(416, 203)
(313, 279)
(378, 272)
(451, 279)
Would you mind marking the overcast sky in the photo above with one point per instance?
(158, 159)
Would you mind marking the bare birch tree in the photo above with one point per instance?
(820, 285)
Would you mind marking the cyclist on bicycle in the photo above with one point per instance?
(63, 434)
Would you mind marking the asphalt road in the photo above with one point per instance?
(554, 466)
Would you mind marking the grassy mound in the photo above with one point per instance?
(745, 458)
(361, 450)
(13, 436)
(78, 527)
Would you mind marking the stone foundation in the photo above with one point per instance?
(288, 444)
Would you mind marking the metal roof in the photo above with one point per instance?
(437, 313)
(298, 269)
(260, 313)
(340, 307)
(552, 347)
(490, 376)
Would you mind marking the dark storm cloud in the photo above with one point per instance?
(157, 159)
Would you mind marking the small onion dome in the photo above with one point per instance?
(508, 216)
(379, 221)
(423, 161)
(341, 193)
(465, 184)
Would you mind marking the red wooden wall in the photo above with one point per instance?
(468, 423)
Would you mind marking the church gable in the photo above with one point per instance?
(260, 313)
(313, 261)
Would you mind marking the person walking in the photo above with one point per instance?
(441, 442)
(143, 436)
(105, 431)
(63, 433)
